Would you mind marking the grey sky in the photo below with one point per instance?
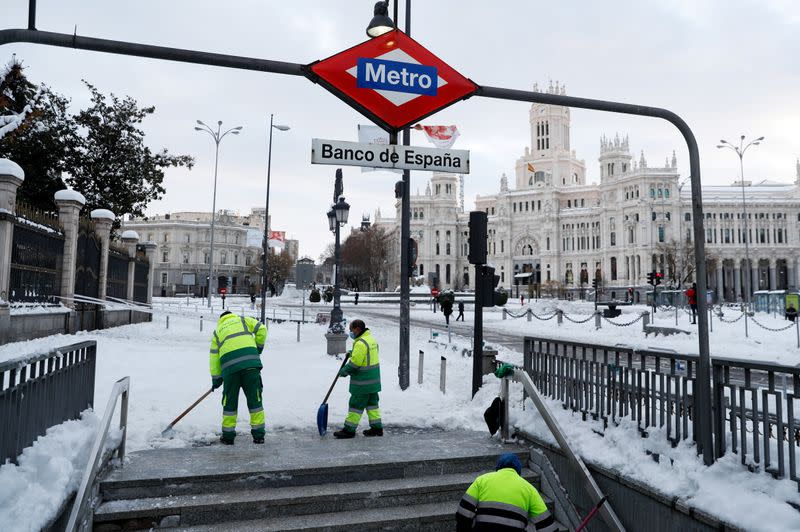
(727, 67)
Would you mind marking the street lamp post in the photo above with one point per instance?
(265, 243)
(740, 151)
(217, 139)
(337, 217)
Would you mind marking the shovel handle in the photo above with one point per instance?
(174, 421)
(346, 358)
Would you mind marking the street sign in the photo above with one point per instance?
(392, 80)
(223, 291)
(342, 153)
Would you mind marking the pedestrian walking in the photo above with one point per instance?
(460, 311)
(791, 313)
(356, 298)
(691, 296)
(502, 501)
(235, 359)
(522, 300)
(364, 371)
(252, 301)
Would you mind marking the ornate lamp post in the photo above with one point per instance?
(337, 217)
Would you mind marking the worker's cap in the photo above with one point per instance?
(225, 313)
(509, 460)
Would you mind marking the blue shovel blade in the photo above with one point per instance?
(322, 419)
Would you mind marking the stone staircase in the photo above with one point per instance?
(403, 481)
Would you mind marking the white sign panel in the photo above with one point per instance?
(405, 157)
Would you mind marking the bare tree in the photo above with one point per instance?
(363, 258)
(679, 261)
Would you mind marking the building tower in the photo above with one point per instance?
(615, 157)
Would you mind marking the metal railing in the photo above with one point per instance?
(41, 391)
(593, 490)
(36, 263)
(121, 388)
(752, 411)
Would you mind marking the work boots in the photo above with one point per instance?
(373, 431)
(344, 434)
(258, 440)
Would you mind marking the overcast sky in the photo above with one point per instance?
(727, 67)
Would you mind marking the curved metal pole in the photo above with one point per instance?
(704, 438)
(65, 40)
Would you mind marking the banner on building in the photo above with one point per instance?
(443, 137)
(277, 239)
(374, 135)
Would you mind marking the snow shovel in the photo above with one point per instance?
(322, 413)
(591, 514)
(174, 421)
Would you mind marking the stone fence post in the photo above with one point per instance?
(130, 239)
(11, 178)
(103, 220)
(69, 204)
(150, 250)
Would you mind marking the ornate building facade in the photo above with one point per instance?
(550, 228)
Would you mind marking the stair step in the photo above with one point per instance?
(257, 473)
(272, 503)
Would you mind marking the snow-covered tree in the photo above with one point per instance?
(37, 132)
(111, 165)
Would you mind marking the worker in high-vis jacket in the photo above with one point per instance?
(503, 501)
(235, 360)
(365, 382)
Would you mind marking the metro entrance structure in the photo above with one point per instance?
(367, 100)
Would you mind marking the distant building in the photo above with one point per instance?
(553, 229)
(184, 246)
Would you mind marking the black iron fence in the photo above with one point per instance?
(36, 261)
(140, 273)
(42, 391)
(87, 265)
(753, 405)
(117, 285)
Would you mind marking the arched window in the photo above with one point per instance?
(613, 268)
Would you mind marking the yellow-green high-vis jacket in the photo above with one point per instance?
(236, 344)
(364, 366)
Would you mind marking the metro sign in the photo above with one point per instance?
(392, 80)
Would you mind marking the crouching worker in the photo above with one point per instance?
(235, 359)
(365, 382)
(503, 500)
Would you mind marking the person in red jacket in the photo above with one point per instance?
(691, 295)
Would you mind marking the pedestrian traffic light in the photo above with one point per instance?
(478, 235)
(658, 278)
(594, 283)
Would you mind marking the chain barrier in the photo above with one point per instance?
(779, 329)
(624, 324)
(553, 315)
(591, 317)
(509, 313)
(723, 320)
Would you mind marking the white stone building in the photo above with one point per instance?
(552, 228)
(183, 246)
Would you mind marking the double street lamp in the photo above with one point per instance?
(217, 136)
(265, 243)
(337, 217)
(740, 151)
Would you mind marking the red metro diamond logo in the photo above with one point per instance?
(392, 80)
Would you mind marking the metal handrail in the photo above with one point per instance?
(595, 494)
(121, 387)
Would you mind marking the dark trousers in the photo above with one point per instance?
(694, 312)
(460, 315)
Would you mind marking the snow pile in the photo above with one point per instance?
(757, 503)
(69, 195)
(129, 234)
(102, 214)
(32, 492)
(9, 167)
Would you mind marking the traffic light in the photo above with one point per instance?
(594, 283)
(490, 296)
(658, 278)
(478, 235)
(651, 278)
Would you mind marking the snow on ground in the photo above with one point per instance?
(32, 492)
(169, 370)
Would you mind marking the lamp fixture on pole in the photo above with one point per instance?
(740, 151)
(265, 246)
(380, 23)
(217, 136)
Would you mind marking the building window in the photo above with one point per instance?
(186, 257)
(661, 233)
(547, 243)
(188, 238)
(502, 246)
(653, 216)
(205, 257)
(613, 268)
(447, 274)
(236, 255)
(514, 206)
(652, 193)
(149, 237)
(247, 260)
(223, 258)
(447, 249)
(165, 256)
(437, 248)
(164, 278)
(166, 237)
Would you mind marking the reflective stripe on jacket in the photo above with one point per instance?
(236, 344)
(364, 365)
(503, 501)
